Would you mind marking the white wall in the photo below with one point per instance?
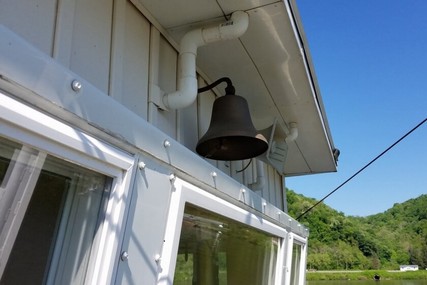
(113, 46)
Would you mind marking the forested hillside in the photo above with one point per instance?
(382, 241)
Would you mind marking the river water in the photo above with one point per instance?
(370, 282)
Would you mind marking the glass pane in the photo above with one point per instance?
(30, 252)
(296, 263)
(216, 250)
(7, 149)
(19, 169)
(8, 154)
(59, 226)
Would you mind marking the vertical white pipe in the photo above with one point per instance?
(186, 91)
(260, 179)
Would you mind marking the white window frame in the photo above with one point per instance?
(26, 125)
(295, 239)
(185, 192)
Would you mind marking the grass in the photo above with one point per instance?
(367, 275)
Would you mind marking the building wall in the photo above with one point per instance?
(113, 46)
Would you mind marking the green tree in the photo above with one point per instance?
(386, 240)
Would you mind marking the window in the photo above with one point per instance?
(297, 246)
(62, 197)
(217, 250)
(296, 263)
(50, 213)
(209, 240)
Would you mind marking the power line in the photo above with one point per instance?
(363, 168)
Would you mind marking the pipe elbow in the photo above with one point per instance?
(293, 134)
(232, 29)
(186, 92)
(191, 41)
(184, 96)
(240, 23)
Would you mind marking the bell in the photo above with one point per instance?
(231, 134)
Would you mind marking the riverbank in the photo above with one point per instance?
(366, 275)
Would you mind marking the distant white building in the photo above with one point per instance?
(408, 267)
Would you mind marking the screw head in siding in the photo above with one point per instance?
(264, 206)
(242, 195)
(157, 258)
(76, 85)
(166, 144)
(172, 177)
(141, 165)
(124, 256)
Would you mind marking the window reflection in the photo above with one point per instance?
(50, 212)
(7, 149)
(296, 263)
(216, 250)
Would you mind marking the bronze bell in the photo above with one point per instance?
(231, 134)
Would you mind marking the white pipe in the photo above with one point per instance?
(293, 133)
(260, 179)
(187, 81)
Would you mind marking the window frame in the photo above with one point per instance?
(30, 127)
(296, 239)
(184, 192)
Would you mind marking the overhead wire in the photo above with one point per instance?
(362, 169)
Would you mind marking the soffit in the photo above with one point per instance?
(268, 66)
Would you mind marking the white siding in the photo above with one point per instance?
(130, 58)
(248, 173)
(224, 166)
(84, 39)
(165, 120)
(236, 170)
(275, 187)
(204, 103)
(278, 190)
(115, 47)
(187, 126)
(33, 20)
(266, 189)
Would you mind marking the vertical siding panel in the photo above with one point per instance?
(33, 20)
(278, 189)
(265, 190)
(165, 120)
(187, 126)
(253, 175)
(205, 103)
(272, 185)
(247, 174)
(64, 31)
(84, 39)
(204, 111)
(285, 199)
(236, 173)
(224, 166)
(130, 57)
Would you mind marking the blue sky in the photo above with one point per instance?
(370, 58)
